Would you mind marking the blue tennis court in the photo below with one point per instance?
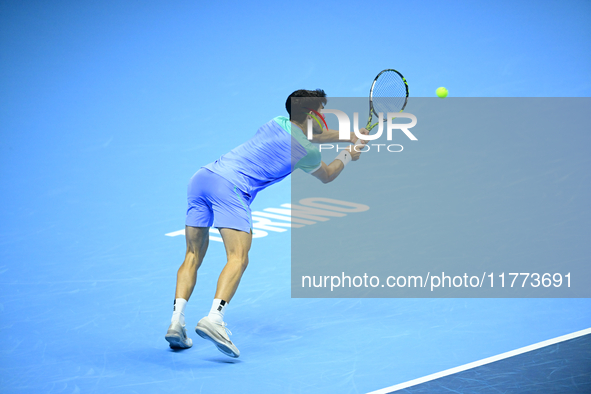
(107, 111)
(88, 281)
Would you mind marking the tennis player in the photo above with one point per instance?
(220, 194)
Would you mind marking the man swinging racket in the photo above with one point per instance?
(220, 194)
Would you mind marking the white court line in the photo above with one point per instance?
(482, 362)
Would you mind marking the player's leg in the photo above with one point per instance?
(197, 243)
(212, 327)
(237, 244)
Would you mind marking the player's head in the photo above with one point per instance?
(302, 102)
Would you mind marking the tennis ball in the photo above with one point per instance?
(441, 92)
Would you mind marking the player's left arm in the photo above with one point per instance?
(330, 135)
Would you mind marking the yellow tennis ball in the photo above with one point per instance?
(441, 92)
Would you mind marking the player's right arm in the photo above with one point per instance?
(328, 173)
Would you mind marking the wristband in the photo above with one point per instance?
(344, 156)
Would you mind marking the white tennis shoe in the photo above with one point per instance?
(218, 334)
(177, 336)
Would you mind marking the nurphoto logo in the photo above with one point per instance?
(345, 129)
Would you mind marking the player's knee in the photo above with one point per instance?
(192, 260)
(240, 260)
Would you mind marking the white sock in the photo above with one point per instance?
(179, 311)
(216, 314)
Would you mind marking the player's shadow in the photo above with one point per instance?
(222, 360)
(177, 359)
(219, 360)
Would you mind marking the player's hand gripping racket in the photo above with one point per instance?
(388, 93)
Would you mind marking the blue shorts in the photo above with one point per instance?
(212, 200)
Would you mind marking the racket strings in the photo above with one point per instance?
(389, 93)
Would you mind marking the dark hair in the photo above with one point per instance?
(300, 102)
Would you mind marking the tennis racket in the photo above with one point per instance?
(388, 93)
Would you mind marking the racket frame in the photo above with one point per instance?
(371, 108)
